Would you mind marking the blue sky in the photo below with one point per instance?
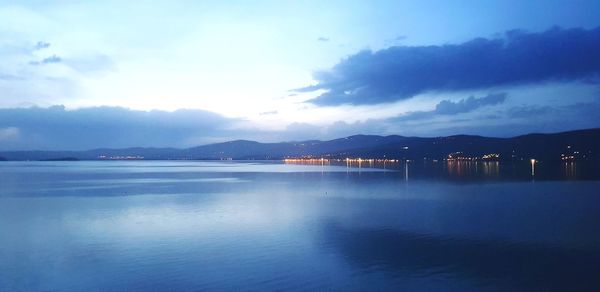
(77, 75)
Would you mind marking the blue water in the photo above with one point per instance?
(148, 225)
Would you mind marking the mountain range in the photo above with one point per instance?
(580, 144)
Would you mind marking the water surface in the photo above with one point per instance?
(148, 225)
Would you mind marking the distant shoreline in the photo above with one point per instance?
(580, 145)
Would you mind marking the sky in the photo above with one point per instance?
(79, 75)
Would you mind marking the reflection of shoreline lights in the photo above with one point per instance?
(533, 161)
(467, 168)
(570, 170)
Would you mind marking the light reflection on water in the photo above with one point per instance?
(471, 170)
(183, 226)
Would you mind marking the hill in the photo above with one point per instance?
(581, 144)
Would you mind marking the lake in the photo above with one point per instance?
(207, 225)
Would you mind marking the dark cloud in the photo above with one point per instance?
(447, 107)
(41, 45)
(323, 39)
(518, 57)
(57, 128)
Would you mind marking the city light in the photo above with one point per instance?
(348, 160)
(125, 157)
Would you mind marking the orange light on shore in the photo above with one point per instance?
(347, 160)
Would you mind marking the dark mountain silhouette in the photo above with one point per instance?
(581, 144)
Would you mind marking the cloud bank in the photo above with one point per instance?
(515, 58)
(448, 107)
(56, 128)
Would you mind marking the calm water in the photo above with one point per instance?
(263, 226)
